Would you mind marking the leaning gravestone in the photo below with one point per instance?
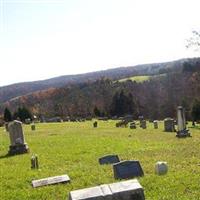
(182, 129)
(17, 140)
(109, 159)
(125, 190)
(51, 180)
(169, 125)
(127, 169)
(34, 162)
(155, 123)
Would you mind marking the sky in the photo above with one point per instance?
(40, 39)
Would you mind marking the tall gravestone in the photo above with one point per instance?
(17, 140)
(181, 123)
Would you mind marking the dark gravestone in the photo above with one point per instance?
(127, 169)
(95, 124)
(169, 125)
(132, 125)
(109, 159)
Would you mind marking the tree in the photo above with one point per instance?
(194, 41)
(196, 110)
(97, 112)
(22, 113)
(7, 115)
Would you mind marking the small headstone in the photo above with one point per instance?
(143, 124)
(34, 162)
(161, 168)
(109, 159)
(127, 169)
(27, 121)
(125, 190)
(155, 123)
(50, 181)
(17, 139)
(132, 125)
(95, 124)
(33, 127)
(169, 125)
(182, 129)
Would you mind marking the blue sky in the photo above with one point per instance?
(45, 38)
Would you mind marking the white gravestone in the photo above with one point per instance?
(126, 190)
(50, 180)
(161, 168)
(181, 123)
(17, 140)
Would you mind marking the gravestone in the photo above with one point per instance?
(127, 169)
(51, 180)
(169, 125)
(109, 159)
(95, 124)
(132, 125)
(125, 190)
(155, 123)
(143, 124)
(181, 123)
(140, 119)
(33, 127)
(17, 140)
(161, 168)
(34, 162)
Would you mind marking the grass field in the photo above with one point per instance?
(73, 148)
(140, 79)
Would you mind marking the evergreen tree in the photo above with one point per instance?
(97, 112)
(22, 113)
(7, 115)
(196, 110)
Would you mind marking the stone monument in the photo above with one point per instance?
(181, 123)
(125, 190)
(17, 140)
(155, 123)
(169, 125)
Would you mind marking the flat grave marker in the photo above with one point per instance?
(109, 159)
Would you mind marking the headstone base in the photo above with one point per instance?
(183, 133)
(18, 149)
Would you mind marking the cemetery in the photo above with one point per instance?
(74, 160)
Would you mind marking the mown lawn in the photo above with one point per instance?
(73, 148)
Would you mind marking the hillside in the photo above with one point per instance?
(19, 89)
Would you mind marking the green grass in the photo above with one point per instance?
(74, 148)
(141, 79)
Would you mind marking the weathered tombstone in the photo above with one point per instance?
(181, 123)
(125, 190)
(95, 124)
(155, 123)
(169, 125)
(132, 125)
(34, 162)
(143, 124)
(33, 127)
(161, 168)
(17, 140)
(127, 169)
(50, 181)
(109, 159)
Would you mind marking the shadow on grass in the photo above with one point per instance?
(195, 127)
(6, 156)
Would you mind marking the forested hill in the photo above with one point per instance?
(155, 98)
(20, 89)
